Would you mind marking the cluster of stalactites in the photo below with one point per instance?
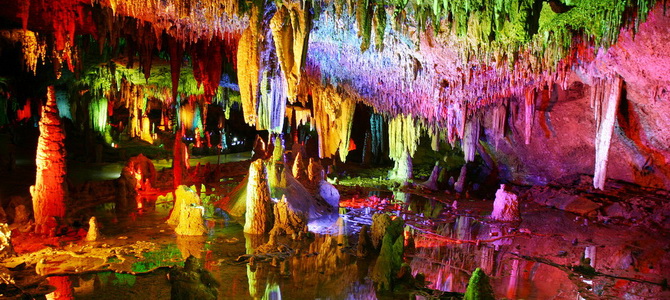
(248, 64)
(404, 134)
(33, 46)
(269, 61)
(333, 116)
(290, 27)
(470, 138)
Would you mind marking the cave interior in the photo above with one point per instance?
(334, 149)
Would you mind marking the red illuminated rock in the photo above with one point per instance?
(50, 190)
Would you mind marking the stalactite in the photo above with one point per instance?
(290, 27)
(605, 100)
(176, 60)
(498, 119)
(333, 114)
(377, 134)
(207, 64)
(470, 138)
(248, 65)
(98, 113)
(529, 113)
(404, 134)
(272, 103)
(50, 191)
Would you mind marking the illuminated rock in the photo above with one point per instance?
(402, 169)
(290, 28)
(93, 233)
(364, 246)
(192, 281)
(460, 184)
(6, 249)
(50, 191)
(186, 200)
(259, 217)
(390, 258)
(299, 169)
(431, 183)
(379, 223)
(315, 171)
(191, 221)
(288, 220)
(605, 99)
(505, 206)
(328, 193)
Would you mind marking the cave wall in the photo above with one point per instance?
(563, 132)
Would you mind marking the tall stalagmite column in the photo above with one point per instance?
(50, 191)
(259, 217)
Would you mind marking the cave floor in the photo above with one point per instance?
(539, 257)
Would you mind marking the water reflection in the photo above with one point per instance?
(324, 266)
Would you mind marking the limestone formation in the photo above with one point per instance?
(389, 262)
(379, 223)
(191, 220)
(184, 197)
(506, 206)
(364, 247)
(288, 220)
(6, 249)
(50, 191)
(328, 193)
(299, 168)
(93, 233)
(315, 171)
(192, 282)
(259, 217)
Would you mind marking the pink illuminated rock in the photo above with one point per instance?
(506, 206)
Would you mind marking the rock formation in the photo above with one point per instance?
(50, 191)
(259, 212)
(505, 206)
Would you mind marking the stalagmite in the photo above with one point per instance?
(528, 113)
(390, 256)
(505, 206)
(259, 213)
(50, 190)
(93, 233)
(298, 169)
(184, 197)
(470, 138)
(288, 220)
(315, 171)
(479, 287)
(191, 220)
(605, 101)
(431, 183)
(459, 186)
(403, 169)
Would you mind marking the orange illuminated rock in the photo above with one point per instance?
(50, 191)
